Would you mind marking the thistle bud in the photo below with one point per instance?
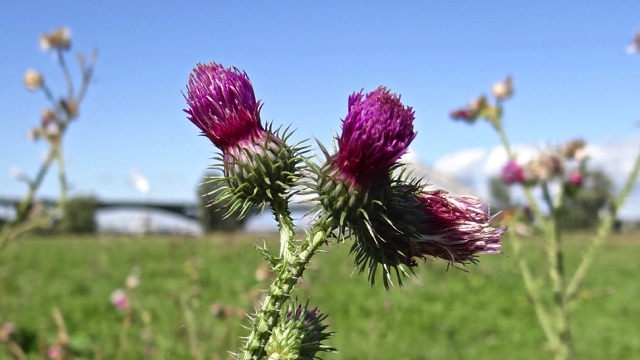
(504, 89)
(60, 39)
(376, 132)
(258, 165)
(573, 183)
(512, 173)
(299, 335)
(33, 80)
(575, 179)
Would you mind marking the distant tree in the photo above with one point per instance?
(213, 216)
(500, 195)
(582, 210)
(79, 215)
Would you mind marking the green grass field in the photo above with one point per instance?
(440, 314)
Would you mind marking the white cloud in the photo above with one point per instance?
(614, 157)
(461, 163)
(139, 182)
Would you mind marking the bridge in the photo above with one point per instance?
(190, 210)
(185, 209)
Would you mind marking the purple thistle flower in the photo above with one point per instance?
(120, 300)
(575, 179)
(456, 228)
(512, 173)
(375, 133)
(223, 105)
(464, 114)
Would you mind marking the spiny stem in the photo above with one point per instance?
(288, 273)
(285, 223)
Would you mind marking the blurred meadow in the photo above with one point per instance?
(111, 247)
(195, 291)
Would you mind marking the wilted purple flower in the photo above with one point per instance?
(464, 114)
(545, 166)
(375, 133)
(456, 228)
(120, 300)
(512, 173)
(223, 105)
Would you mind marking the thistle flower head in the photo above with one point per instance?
(456, 228)
(464, 114)
(59, 39)
(258, 165)
(376, 132)
(575, 179)
(223, 105)
(503, 90)
(512, 173)
(545, 166)
(120, 300)
(472, 111)
(299, 335)
(33, 80)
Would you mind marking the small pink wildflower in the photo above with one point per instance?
(120, 299)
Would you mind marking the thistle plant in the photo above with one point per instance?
(362, 194)
(558, 174)
(54, 122)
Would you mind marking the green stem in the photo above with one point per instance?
(288, 274)
(67, 74)
(601, 235)
(560, 338)
(285, 223)
(25, 204)
(534, 295)
(557, 275)
(62, 176)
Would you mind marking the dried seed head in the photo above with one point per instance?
(33, 80)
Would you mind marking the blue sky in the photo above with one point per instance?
(572, 75)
